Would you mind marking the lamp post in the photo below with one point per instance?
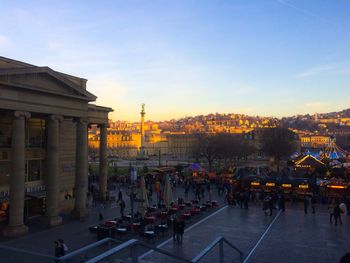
(133, 199)
(131, 193)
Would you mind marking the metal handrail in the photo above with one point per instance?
(87, 248)
(131, 244)
(220, 241)
(134, 242)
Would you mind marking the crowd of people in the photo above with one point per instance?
(201, 189)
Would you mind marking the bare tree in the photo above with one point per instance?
(278, 143)
(207, 147)
(224, 148)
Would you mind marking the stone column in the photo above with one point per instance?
(52, 170)
(81, 173)
(16, 225)
(103, 162)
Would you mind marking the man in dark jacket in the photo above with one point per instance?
(175, 228)
(180, 230)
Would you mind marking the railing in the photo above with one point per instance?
(81, 255)
(133, 243)
(85, 254)
(220, 241)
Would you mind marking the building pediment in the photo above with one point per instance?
(44, 80)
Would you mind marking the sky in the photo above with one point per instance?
(190, 57)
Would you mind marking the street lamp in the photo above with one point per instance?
(131, 192)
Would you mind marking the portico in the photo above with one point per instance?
(44, 117)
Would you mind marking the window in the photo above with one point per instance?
(5, 133)
(35, 133)
(33, 170)
(4, 173)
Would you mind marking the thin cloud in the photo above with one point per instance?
(316, 104)
(4, 41)
(340, 68)
(306, 12)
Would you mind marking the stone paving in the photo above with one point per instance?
(293, 236)
(74, 232)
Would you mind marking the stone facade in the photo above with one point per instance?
(44, 117)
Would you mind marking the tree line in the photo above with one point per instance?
(226, 149)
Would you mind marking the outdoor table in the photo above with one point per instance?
(149, 234)
(150, 219)
(128, 217)
(182, 206)
(121, 230)
(195, 211)
(93, 228)
(214, 203)
(110, 223)
(188, 204)
(153, 208)
(164, 214)
(208, 205)
(135, 226)
(187, 216)
(202, 207)
(170, 221)
(194, 201)
(162, 228)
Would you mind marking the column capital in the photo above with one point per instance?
(102, 125)
(81, 120)
(22, 114)
(54, 117)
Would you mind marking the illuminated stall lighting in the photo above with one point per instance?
(337, 186)
(286, 185)
(255, 183)
(304, 186)
(270, 184)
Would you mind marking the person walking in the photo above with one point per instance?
(246, 199)
(331, 210)
(100, 212)
(267, 204)
(57, 249)
(63, 247)
(281, 202)
(120, 195)
(180, 230)
(313, 204)
(122, 208)
(306, 203)
(337, 214)
(175, 228)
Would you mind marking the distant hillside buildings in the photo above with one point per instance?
(175, 138)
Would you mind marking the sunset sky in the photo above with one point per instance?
(185, 57)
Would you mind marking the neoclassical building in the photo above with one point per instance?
(44, 119)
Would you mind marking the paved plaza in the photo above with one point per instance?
(291, 236)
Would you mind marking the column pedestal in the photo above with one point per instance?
(15, 231)
(53, 221)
